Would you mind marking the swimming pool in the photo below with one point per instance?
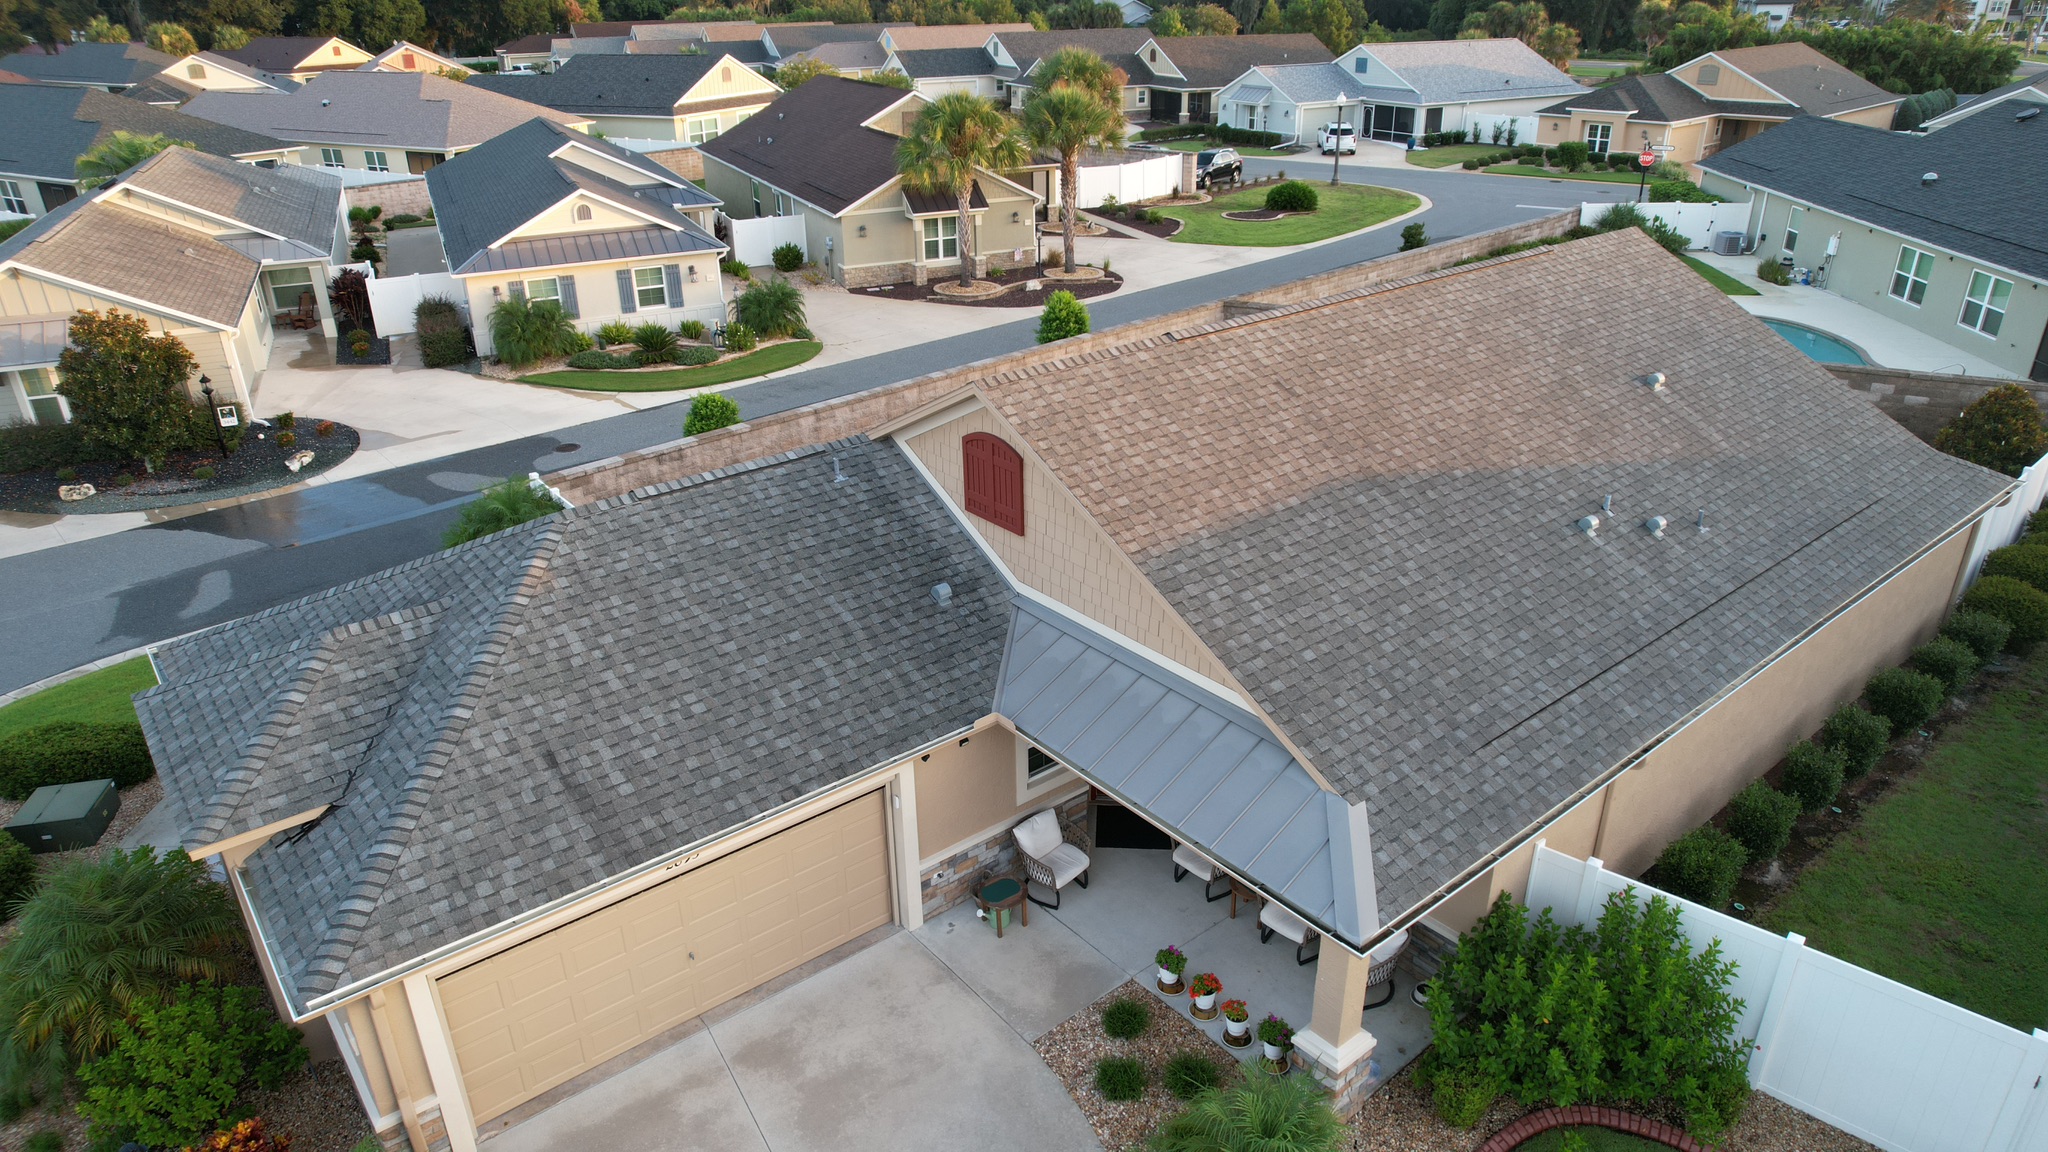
(1817, 345)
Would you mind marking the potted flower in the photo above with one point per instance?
(1277, 1035)
(1172, 962)
(1237, 1029)
(1204, 987)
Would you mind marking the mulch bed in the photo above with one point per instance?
(1072, 1049)
(318, 1106)
(257, 466)
(1015, 297)
(380, 352)
(1164, 229)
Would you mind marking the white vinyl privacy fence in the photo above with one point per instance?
(754, 241)
(2003, 524)
(393, 298)
(1698, 222)
(1881, 1061)
(1138, 179)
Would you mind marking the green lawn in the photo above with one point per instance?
(1446, 155)
(1943, 884)
(771, 359)
(1728, 285)
(1596, 1140)
(1205, 145)
(1345, 208)
(1598, 71)
(1602, 176)
(96, 697)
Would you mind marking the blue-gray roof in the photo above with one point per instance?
(603, 84)
(44, 129)
(99, 65)
(925, 63)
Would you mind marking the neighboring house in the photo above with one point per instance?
(1775, 13)
(2013, 98)
(544, 51)
(936, 72)
(1716, 101)
(204, 248)
(853, 59)
(407, 57)
(377, 121)
(675, 97)
(916, 38)
(1136, 12)
(1946, 233)
(1186, 72)
(45, 129)
(550, 795)
(299, 57)
(548, 213)
(826, 152)
(111, 67)
(1017, 56)
(1397, 92)
(205, 72)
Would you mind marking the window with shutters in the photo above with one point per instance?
(995, 481)
(650, 288)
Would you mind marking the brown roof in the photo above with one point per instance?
(1799, 73)
(539, 42)
(950, 35)
(1117, 46)
(127, 253)
(810, 142)
(1213, 61)
(285, 54)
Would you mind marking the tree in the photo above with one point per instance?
(1269, 19)
(1653, 23)
(100, 30)
(1064, 316)
(794, 73)
(118, 153)
(2001, 430)
(170, 38)
(1166, 23)
(954, 137)
(376, 22)
(1211, 20)
(1908, 56)
(1506, 21)
(1558, 44)
(772, 308)
(1948, 13)
(229, 37)
(891, 78)
(1326, 19)
(1082, 69)
(1701, 28)
(125, 386)
(506, 504)
(1070, 120)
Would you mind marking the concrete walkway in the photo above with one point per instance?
(413, 251)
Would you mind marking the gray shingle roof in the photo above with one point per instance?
(793, 38)
(1453, 71)
(2032, 88)
(810, 144)
(376, 110)
(1382, 550)
(512, 721)
(1989, 203)
(1118, 47)
(1314, 83)
(593, 84)
(281, 53)
(104, 65)
(1213, 61)
(1800, 73)
(1659, 98)
(301, 205)
(924, 63)
(128, 253)
(484, 194)
(44, 129)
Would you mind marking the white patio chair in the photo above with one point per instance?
(1051, 859)
(1379, 970)
(1273, 918)
(1188, 862)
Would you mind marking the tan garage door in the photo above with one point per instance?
(531, 1017)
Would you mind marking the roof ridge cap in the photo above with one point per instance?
(282, 707)
(700, 479)
(1354, 294)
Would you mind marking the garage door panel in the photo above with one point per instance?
(538, 1014)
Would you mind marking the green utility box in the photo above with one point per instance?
(60, 817)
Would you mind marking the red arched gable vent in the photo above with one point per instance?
(995, 480)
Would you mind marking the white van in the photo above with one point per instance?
(1339, 138)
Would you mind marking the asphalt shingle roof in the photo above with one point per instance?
(1990, 201)
(591, 84)
(1315, 83)
(923, 63)
(45, 129)
(1658, 98)
(2032, 88)
(512, 721)
(1213, 61)
(810, 144)
(283, 53)
(128, 253)
(1800, 73)
(300, 204)
(377, 110)
(791, 39)
(1118, 47)
(109, 65)
(1453, 71)
(1381, 547)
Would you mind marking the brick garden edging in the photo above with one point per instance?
(1590, 1115)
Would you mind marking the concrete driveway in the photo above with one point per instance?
(885, 1050)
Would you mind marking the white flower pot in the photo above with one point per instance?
(1274, 1052)
(1237, 1028)
(1168, 976)
(1206, 1001)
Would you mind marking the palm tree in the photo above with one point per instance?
(118, 153)
(1067, 120)
(1083, 69)
(956, 135)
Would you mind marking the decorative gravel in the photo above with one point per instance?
(257, 466)
(1072, 1049)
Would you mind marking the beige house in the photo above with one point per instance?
(299, 57)
(690, 97)
(546, 213)
(206, 72)
(208, 250)
(405, 56)
(1716, 101)
(760, 698)
(826, 154)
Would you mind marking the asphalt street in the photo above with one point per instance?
(70, 605)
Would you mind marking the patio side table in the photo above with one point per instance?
(1001, 896)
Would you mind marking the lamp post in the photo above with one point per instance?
(220, 437)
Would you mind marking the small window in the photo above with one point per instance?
(1598, 136)
(376, 162)
(1793, 220)
(1909, 278)
(45, 404)
(545, 288)
(582, 213)
(331, 158)
(195, 71)
(1142, 93)
(11, 198)
(1037, 763)
(698, 129)
(1359, 65)
(994, 481)
(287, 285)
(754, 186)
(1710, 75)
(1984, 307)
(1154, 54)
(335, 49)
(650, 288)
(942, 238)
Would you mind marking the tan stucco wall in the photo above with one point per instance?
(962, 792)
(1731, 85)
(1879, 117)
(1064, 553)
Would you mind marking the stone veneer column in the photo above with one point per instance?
(1335, 1048)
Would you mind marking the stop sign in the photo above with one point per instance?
(1647, 159)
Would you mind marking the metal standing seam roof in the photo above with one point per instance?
(1209, 770)
(591, 248)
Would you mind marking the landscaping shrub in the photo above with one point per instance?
(501, 506)
(578, 342)
(27, 447)
(1621, 161)
(48, 1140)
(126, 387)
(1760, 818)
(1984, 633)
(253, 1135)
(1813, 774)
(17, 874)
(1621, 1013)
(740, 338)
(655, 338)
(1189, 1075)
(526, 331)
(1119, 1078)
(1263, 1113)
(2021, 605)
(691, 329)
(1471, 165)
(400, 218)
(1573, 154)
(1905, 697)
(1550, 155)
(1629, 216)
(696, 356)
(1414, 236)
(710, 411)
(1681, 192)
(68, 751)
(178, 1064)
(436, 314)
(600, 360)
(1770, 271)
(775, 308)
(1949, 661)
(1860, 736)
(737, 269)
(1291, 196)
(1064, 316)
(1701, 866)
(788, 257)
(445, 349)
(616, 332)
(2001, 430)
(1126, 1019)
(1533, 162)
(2026, 561)
(205, 472)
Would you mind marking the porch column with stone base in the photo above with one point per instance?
(1335, 1048)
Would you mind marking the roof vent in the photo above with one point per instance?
(1701, 524)
(1655, 381)
(1589, 524)
(1655, 526)
(2029, 114)
(325, 103)
(942, 593)
(1927, 178)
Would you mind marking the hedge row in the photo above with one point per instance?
(1221, 133)
(67, 752)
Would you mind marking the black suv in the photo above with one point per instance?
(1218, 165)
